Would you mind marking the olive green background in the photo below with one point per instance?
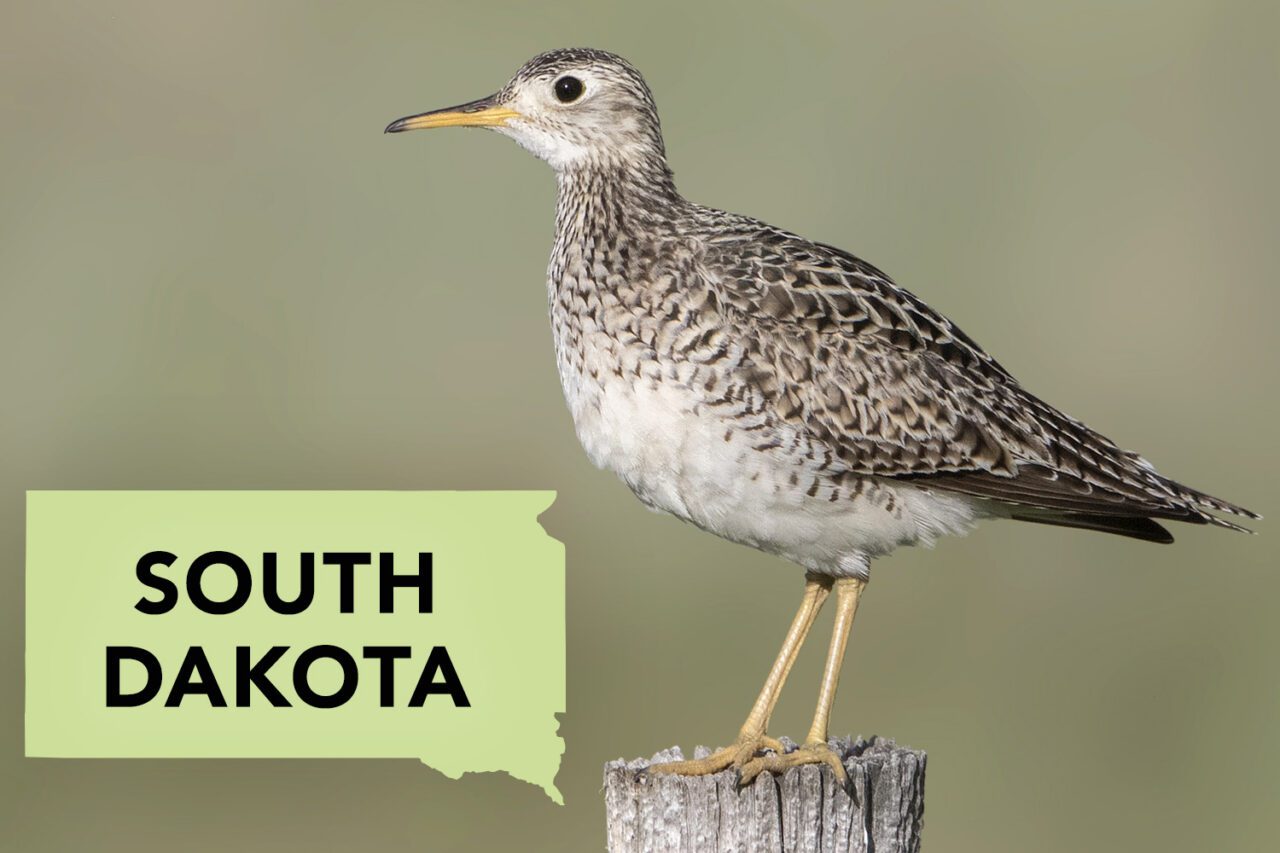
(215, 272)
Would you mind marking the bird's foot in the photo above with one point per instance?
(811, 752)
(743, 752)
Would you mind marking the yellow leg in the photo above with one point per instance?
(751, 737)
(815, 750)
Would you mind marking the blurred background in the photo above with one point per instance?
(216, 272)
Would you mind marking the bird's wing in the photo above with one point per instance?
(891, 388)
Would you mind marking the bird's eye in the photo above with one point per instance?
(568, 89)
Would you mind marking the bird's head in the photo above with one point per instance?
(574, 108)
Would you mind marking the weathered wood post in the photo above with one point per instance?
(804, 810)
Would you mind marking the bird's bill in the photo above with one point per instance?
(482, 113)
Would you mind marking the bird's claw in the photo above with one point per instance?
(752, 755)
(737, 756)
(810, 753)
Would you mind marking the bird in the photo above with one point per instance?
(779, 392)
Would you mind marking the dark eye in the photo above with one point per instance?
(568, 89)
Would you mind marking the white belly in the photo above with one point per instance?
(683, 458)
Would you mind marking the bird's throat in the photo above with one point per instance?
(611, 207)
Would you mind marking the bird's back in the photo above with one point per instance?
(894, 390)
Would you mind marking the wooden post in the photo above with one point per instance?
(804, 810)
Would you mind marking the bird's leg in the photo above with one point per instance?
(751, 737)
(815, 750)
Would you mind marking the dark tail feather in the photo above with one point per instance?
(1136, 527)
(1218, 504)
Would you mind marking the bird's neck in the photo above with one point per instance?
(605, 201)
(611, 222)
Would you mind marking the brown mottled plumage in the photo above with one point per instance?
(780, 392)
(893, 389)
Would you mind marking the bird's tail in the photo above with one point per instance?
(1204, 504)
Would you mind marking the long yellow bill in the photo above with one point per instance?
(481, 113)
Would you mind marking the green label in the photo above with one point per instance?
(297, 624)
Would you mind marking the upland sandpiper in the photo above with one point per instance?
(779, 392)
